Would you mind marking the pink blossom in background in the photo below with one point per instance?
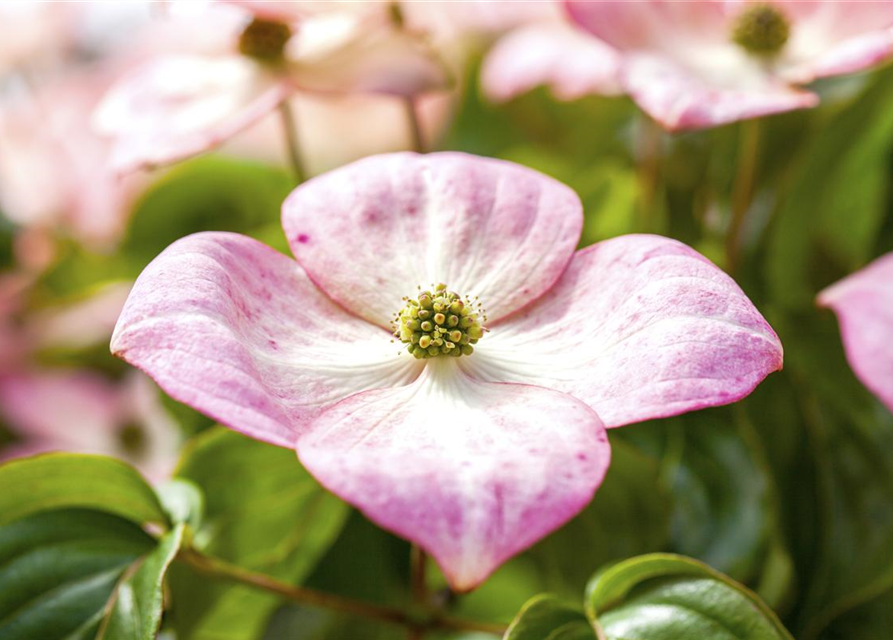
(83, 412)
(863, 303)
(77, 410)
(179, 105)
(54, 171)
(692, 65)
(553, 53)
(33, 34)
(473, 457)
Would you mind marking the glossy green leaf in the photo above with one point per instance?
(723, 499)
(58, 570)
(67, 480)
(667, 597)
(134, 612)
(263, 511)
(546, 617)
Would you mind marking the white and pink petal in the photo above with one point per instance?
(238, 331)
(638, 327)
(177, 106)
(473, 472)
(863, 303)
(371, 232)
(570, 62)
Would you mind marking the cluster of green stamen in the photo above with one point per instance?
(439, 323)
(264, 40)
(761, 29)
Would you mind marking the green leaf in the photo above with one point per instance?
(135, 611)
(628, 516)
(666, 597)
(829, 220)
(61, 480)
(211, 193)
(183, 501)
(263, 511)
(724, 506)
(58, 570)
(546, 617)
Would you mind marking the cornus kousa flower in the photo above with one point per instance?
(439, 355)
(175, 106)
(554, 52)
(700, 64)
(863, 303)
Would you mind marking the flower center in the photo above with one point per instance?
(132, 439)
(264, 40)
(761, 29)
(439, 323)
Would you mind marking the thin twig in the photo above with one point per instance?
(289, 128)
(217, 568)
(415, 126)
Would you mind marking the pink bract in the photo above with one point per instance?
(477, 457)
(182, 103)
(681, 65)
(863, 303)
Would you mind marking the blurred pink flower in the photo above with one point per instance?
(473, 457)
(33, 34)
(78, 410)
(54, 171)
(175, 106)
(863, 303)
(83, 412)
(571, 62)
(700, 64)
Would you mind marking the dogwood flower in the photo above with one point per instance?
(863, 303)
(439, 355)
(553, 52)
(180, 105)
(77, 409)
(700, 64)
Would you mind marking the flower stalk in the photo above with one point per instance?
(416, 136)
(742, 190)
(291, 142)
(423, 620)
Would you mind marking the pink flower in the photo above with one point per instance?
(701, 64)
(77, 410)
(485, 430)
(54, 170)
(551, 52)
(176, 106)
(863, 303)
(83, 412)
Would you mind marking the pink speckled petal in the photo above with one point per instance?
(473, 472)
(570, 62)
(178, 106)
(236, 330)
(372, 231)
(863, 303)
(638, 327)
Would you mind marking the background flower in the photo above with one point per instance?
(702, 64)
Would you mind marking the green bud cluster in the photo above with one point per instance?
(264, 40)
(761, 29)
(439, 323)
